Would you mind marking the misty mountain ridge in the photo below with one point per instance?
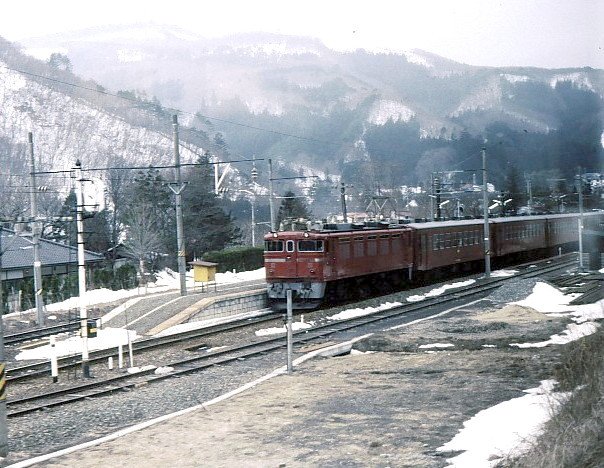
(276, 73)
(332, 111)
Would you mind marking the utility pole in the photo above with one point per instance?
(343, 199)
(580, 190)
(290, 336)
(253, 202)
(529, 191)
(3, 423)
(432, 196)
(35, 235)
(81, 268)
(177, 190)
(485, 209)
(270, 194)
(438, 207)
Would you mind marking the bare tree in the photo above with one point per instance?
(117, 185)
(143, 241)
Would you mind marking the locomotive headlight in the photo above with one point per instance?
(306, 234)
(275, 235)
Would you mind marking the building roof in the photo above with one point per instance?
(202, 263)
(18, 252)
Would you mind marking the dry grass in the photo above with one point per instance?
(574, 437)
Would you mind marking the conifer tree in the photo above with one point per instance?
(207, 227)
(292, 207)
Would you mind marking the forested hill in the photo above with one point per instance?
(396, 116)
(72, 118)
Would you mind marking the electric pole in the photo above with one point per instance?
(485, 209)
(343, 199)
(253, 202)
(35, 229)
(177, 190)
(270, 194)
(432, 196)
(529, 191)
(3, 423)
(580, 190)
(81, 268)
(438, 207)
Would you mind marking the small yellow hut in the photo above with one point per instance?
(203, 272)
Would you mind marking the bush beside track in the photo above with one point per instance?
(237, 258)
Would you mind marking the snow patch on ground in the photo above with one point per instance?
(183, 327)
(507, 428)
(105, 339)
(580, 80)
(503, 273)
(549, 300)
(438, 291)
(358, 312)
(417, 59)
(383, 110)
(545, 298)
(514, 78)
(436, 345)
(573, 332)
(11, 80)
(279, 330)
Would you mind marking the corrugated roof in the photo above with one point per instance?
(18, 252)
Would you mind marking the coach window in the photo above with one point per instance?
(273, 246)
(372, 245)
(396, 243)
(344, 247)
(384, 244)
(359, 249)
(310, 246)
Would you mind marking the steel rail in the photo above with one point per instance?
(238, 352)
(43, 368)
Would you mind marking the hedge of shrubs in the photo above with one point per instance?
(236, 258)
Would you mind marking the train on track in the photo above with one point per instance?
(351, 261)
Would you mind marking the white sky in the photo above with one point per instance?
(543, 33)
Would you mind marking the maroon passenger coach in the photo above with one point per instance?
(354, 260)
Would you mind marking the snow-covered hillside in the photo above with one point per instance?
(68, 128)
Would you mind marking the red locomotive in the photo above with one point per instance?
(354, 260)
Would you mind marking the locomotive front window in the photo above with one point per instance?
(273, 246)
(310, 246)
(289, 246)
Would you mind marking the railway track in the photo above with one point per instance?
(54, 398)
(41, 332)
(38, 369)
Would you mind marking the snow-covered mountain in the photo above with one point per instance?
(275, 74)
(295, 100)
(72, 123)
